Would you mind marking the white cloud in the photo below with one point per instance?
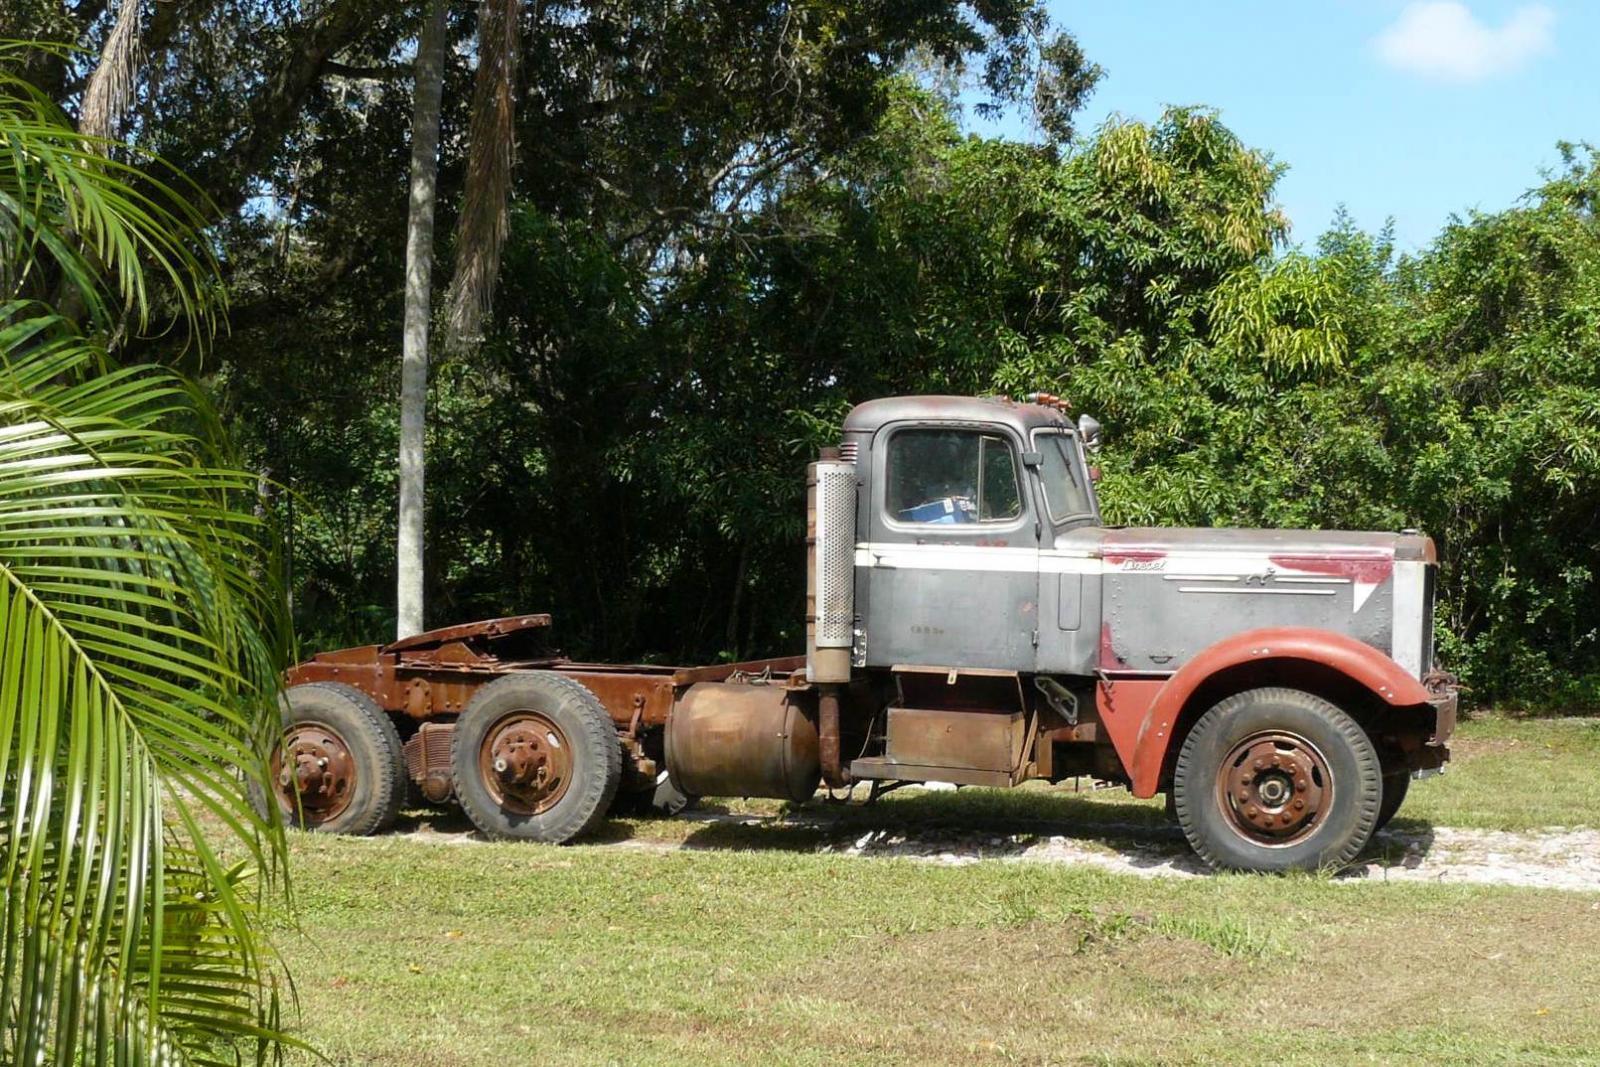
(1444, 41)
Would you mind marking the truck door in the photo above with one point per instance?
(951, 561)
(1069, 559)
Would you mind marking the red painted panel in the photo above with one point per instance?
(1147, 752)
(1369, 570)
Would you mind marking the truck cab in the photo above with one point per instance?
(988, 603)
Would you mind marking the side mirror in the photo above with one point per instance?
(1089, 432)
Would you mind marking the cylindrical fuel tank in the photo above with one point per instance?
(728, 739)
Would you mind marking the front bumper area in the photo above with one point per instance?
(1445, 699)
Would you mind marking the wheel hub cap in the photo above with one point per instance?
(1274, 788)
(313, 773)
(525, 762)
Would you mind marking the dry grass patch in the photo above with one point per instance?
(410, 953)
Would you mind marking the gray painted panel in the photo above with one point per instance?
(952, 619)
(1069, 602)
(1156, 621)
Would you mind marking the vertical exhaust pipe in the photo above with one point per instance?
(830, 598)
(830, 568)
(834, 773)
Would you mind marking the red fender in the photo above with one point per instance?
(1139, 713)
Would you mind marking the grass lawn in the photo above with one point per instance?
(427, 949)
(1515, 774)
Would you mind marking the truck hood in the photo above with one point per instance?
(1290, 546)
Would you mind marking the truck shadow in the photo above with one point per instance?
(976, 824)
(955, 827)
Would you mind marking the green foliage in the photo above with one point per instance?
(140, 644)
(731, 223)
(627, 450)
(77, 224)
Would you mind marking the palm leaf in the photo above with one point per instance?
(102, 225)
(139, 648)
(485, 220)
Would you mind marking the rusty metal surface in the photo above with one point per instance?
(627, 693)
(728, 739)
(525, 762)
(781, 667)
(829, 739)
(873, 769)
(1445, 696)
(969, 740)
(1273, 788)
(427, 756)
(488, 629)
(313, 773)
(1143, 736)
(870, 417)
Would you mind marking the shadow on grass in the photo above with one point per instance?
(448, 823)
(960, 826)
(995, 824)
(970, 823)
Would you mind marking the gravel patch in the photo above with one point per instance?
(1552, 858)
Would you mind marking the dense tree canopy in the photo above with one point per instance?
(731, 223)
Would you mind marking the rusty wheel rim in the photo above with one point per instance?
(1274, 788)
(313, 773)
(525, 762)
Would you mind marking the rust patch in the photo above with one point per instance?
(1367, 570)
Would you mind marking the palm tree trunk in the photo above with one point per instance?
(418, 310)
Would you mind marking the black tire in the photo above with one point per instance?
(1395, 787)
(584, 737)
(1277, 754)
(376, 783)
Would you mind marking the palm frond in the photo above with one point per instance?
(101, 224)
(139, 648)
(485, 209)
(110, 88)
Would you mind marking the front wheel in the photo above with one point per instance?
(1395, 787)
(1277, 780)
(535, 757)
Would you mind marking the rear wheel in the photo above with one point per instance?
(535, 757)
(1277, 780)
(338, 768)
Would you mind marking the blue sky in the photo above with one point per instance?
(1410, 110)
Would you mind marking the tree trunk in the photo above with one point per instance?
(418, 310)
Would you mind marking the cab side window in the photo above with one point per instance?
(952, 477)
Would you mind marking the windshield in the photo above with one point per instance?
(1066, 492)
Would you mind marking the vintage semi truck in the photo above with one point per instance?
(969, 620)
